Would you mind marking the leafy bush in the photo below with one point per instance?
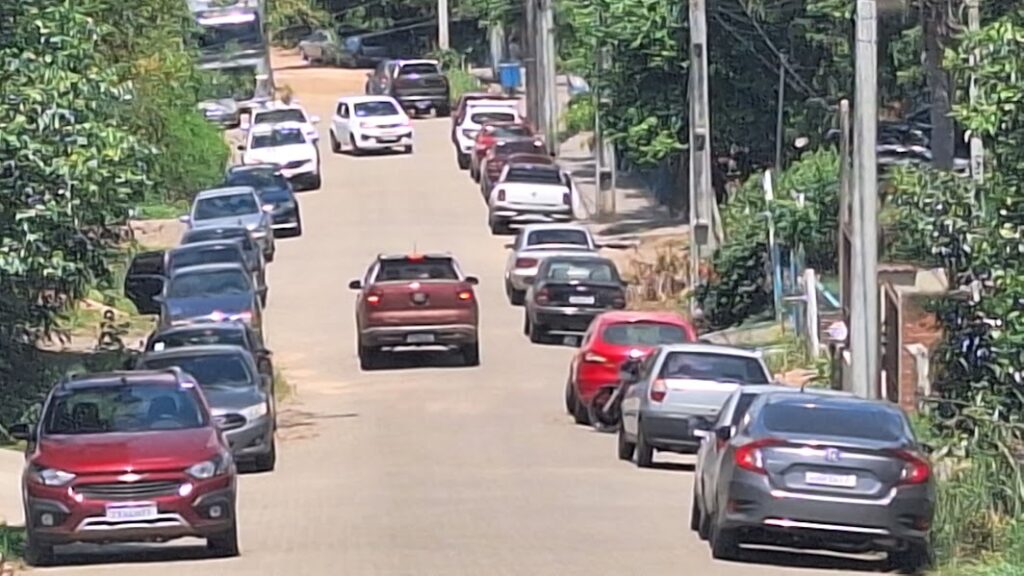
(289, 21)
(460, 82)
(579, 116)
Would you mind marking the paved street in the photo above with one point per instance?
(426, 469)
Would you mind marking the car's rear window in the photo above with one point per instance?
(534, 176)
(817, 420)
(198, 337)
(204, 235)
(492, 116)
(644, 334)
(710, 366)
(508, 131)
(276, 116)
(225, 206)
(576, 237)
(205, 256)
(397, 270)
(210, 370)
(208, 284)
(582, 270)
(257, 178)
(517, 147)
(123, 409)
(420, 69)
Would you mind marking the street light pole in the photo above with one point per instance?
(703, 225)
(442, 24)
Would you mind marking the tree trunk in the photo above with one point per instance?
(935, 41)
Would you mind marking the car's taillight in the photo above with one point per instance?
(567, 199)
(465, 295)
(526, 262)
(915, 470)
(620, 300)
(595, 358)
(373, 299)
(542, 296)
(658, 390)
(749, 456)
(501, 194)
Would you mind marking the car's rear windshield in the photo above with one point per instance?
(534, 176)
(509, 131)
(644, 334)
(575, 237)
(581, 270)
(276, 116)
(509, 148)
(226, 206)
(420, 69)
(205, 256)
(492, 116)
(206, 284)
(710, 366)
(123, 409)
(279, 137)
(206, 235)
(210, 370)
(197, 337)
(379, 108)
(275, 195)
(396, 270)
(259, 179)
(817, 420)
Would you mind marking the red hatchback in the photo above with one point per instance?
(127, 457)
(613, 337)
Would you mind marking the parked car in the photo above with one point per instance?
(533, 244)
(236, 391)
(252, 250)
(614, 338)
(210, 292)
(278, 112)
(416, 300)
(463, 102)
(215, 252)
(144, 281)
(365, 123)
(418, 85)
(274, 189)
(233, 333)
(677, 390)
(568, 293)
(528, 194)
(499, 154)
(490, 135)
(287, 145)
(479, 113)
(234, 206)
(819, 471)
(355, 51)
(123, 457)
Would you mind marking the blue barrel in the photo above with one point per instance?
(510, 75)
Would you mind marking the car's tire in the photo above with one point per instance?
(704, 529)
(225, 544)
(407, 149)
(316, 183)
(570, 396)
(269, 256)
(498, 228)
(626, 449)
(38, 554)
(267, 462)
(470, 354)
(915, 558)
(644, 451)
(474, 174)
(538, 334)
(369, 358)
(517, 297)
(353, 147)
(335, 145)
(694, 514)
(526, 324)
(443, 111)
(463, 160)
(724, 544)
(580, 414)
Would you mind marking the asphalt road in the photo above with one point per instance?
(428, 469)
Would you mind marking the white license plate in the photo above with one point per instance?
(581, 299)
(419, 338)
(126, 513)
(832, 480)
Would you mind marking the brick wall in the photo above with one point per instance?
(919, 327)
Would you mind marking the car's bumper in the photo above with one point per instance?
(177, 517)
(305, 180)
(383, 140)
(419, 335)
(775, 516)
(223, 119)
(522, 215)
(564, 319)
(465, 145)
(673, 431)
(423, 101)
(253, 439)
(307, 170)
(520, 280)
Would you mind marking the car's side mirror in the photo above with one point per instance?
(927, 448)
(723, 433)
(23, 431)
(472, 280)
(184, 218)
(240, 147)
(629, 371)
(264, 353)
(355, 285)
(369, 75)
(314, 119)
(268, 208)
(703, 434)
(159, 299)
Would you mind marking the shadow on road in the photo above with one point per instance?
(820, 560)
(412, 359)
(85, 555)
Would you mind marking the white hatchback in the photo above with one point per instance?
(286, 145)
(363, 123)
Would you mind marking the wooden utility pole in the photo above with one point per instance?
(845, 232)
(442, 24)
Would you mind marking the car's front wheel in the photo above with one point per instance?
(444, 111)
(316, 182)
(353, 146)
(267, 462)
(37, 553)
(335, 145)
(407, 149)
(914, 558)
(463, 160)
(225, 544)
(625, 447)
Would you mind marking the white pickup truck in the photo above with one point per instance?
(529, 194)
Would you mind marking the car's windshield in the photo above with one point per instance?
(215, 36)
(483, 117)
(395, 270)
(711, 366)
(218, 255)
(197, 337)
(210, 370)
(278, 137)
(204, 283)
(257, 178)
(644, 334)
(844, 422)
(581, 270)
(276, 116)
(574, 237)
(418, 69)
(123, 409)
(225, 206)
(377, 108)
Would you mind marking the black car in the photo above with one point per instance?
(210, 292)
(274, 189)
(568, 292)
(253, 252)
(211, 334)
(215, 252)
(418, 85)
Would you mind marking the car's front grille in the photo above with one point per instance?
(128, 490)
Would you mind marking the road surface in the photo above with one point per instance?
(427, 469)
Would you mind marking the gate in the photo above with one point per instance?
(892, 337)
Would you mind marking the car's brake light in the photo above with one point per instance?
(465, 295)
(501, 194)
(658, 390)
(749, 456)
(595, 358)
(620, 300)
(373, 299)
(414, 257)
(915, 470)
(567, 199)
(526, 262)
(542, 296)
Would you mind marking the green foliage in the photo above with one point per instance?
(461, 81)
(926, 213)
(579, 116)
(291, 20)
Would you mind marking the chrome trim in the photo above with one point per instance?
(885, 501)
(781, 523)
(101, 524)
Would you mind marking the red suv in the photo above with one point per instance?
(127, 457)
(611, 339)
(416, 300)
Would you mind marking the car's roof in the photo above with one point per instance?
(403, 62)
(415, 256)
(216, 244)
(784, 389)
(620, 316)
(225, 326)
(225, 191)
(123, 378)
(198, 350)
(273, 127)
(529, 228)
(366, 98)
(703, 348)
(201, 268)
(832, 400)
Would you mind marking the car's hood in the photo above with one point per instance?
(227, 400)
(382, 122)
(136, 452)
(178, 308)
(252, 221)
(281, 154)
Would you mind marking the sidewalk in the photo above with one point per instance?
(11, 463)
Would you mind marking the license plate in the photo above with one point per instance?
(127, 513)
(831, 480)
(419, 338)
(422, 105)
(581, 299)
(387, 140)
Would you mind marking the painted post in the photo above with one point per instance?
(776, 258)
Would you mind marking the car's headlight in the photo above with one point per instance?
(210, 468)
(255, 411)
(244, 316)
(51, 476)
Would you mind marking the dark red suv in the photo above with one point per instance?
(127, 457)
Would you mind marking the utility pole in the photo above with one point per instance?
(704, 233)
(779, 131)
(548, 76)
(845, 233)
(864, 329)
(530, 60)
(442, 24)
(977, 147)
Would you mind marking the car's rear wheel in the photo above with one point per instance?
(335, 145)
(517, 297)
(626, 448)
(471, 354)
(644, 451)
(267, 462)
(463, 160)
(369, 357)
(570, 396)
(724, 544)
(498, 227)
(444, 111)
(580, 415)
(474, 174)
(37, 553)
(225, 544)
(694, 514)
(538, 334)
(915, 558)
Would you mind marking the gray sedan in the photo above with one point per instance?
(234, 206)
(237, 393)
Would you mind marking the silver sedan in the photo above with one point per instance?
(536, 242)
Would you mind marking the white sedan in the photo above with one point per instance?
(286, 145)
(533, 244)
(363, 123)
